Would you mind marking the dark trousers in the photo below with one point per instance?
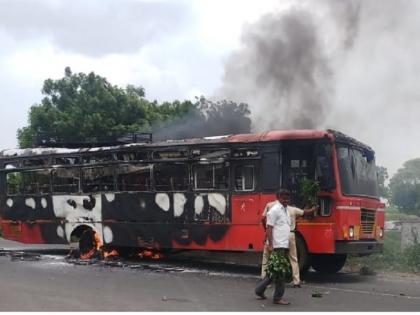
(280, 284)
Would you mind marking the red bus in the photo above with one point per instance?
(196, 194)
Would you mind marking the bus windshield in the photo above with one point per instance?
(358, 175)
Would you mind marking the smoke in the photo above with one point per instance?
(284, 69)
(206, 119)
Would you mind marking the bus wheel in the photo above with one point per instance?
(302, 255)
(328, 263)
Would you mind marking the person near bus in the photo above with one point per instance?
(278, 233)
(293, 212)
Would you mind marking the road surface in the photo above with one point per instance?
(35, 278)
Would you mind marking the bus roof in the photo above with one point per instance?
(274, 135)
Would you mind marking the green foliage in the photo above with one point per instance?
(391, 259)
(412, 257)
(405, 187)
(87, 108)
(393, 214)
(309, 189)
(382, 177)
(278, 267)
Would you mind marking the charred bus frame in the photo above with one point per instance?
(205, 194)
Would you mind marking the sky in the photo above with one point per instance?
(349, 65)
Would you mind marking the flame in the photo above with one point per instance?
(147, 253)
(88, 255)
(96, 247)
(112, 253)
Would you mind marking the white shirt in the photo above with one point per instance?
(279, 220)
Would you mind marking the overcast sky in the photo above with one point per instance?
(350, 65)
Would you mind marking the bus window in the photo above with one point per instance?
(203, 176)
(271, 172)
(68, 160)
(133, 177)
(14, 183)
(211, 176)
(11, 165)
(36, 182)
(98, 158)
(66, 180)
(166, 155)
(244, 178)
(34, 162)
(97, 179)
(169, 177)
(132, 156)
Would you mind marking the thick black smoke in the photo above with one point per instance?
(206, 119)
(283, 68)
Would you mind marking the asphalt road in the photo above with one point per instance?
(42, 279)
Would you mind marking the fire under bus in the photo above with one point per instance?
(196, 194)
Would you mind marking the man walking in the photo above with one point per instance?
(278, 233)
(292, 254)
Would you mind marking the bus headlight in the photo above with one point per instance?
(381, 232)
(351, 231)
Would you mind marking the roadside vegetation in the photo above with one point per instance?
(393, 258)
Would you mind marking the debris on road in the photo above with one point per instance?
(317, 294)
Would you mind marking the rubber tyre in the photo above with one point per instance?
(328, 263)
(87, 242)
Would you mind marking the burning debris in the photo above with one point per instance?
(91, 248)
(150, 253)
(112, 253)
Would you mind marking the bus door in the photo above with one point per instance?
(245, 197)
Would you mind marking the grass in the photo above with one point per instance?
(387, 260)
(391, 259)
(393, 214)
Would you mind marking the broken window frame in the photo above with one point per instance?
(110, 186)
(74, 187)
(97, 158)
(224, 165)
(72, 160)
(35, 162)
(18, 184)
(243, 180)
(39, 188)
(172, 185)
(121, 156)
(183, 154)
(210, 154)
(142, 166)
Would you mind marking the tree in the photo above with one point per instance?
(382, 177)
(80, 107)
(405, 187)
(87, 108)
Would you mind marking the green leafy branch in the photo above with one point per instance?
(309, 190)
(278, 267)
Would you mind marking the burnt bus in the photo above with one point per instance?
(196, 194)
